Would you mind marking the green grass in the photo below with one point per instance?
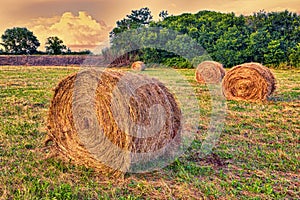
(256, 157)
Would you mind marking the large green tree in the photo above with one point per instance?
(19, 41)
(122, 42)
(137, 18)
(55, 46)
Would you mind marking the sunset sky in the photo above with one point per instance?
(84, 24)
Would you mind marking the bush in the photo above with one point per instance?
(178, 62)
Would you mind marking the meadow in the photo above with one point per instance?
(256, 157)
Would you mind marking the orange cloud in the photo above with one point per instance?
(78, 32)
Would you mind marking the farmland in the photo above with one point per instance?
(256, 157)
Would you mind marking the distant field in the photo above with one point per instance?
(43, 60)
(257, 156)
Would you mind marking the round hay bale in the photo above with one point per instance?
(209, 72)
(138, 66)
(248, 81)
(102, 127)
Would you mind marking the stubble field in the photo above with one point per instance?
(256, 157)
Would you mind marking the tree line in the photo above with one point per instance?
(21, 41)
(270, 38)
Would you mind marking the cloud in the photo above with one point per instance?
(78, 32)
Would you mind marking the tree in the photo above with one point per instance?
(19, 41)
(137, 18)
(163, 14)
(294, 56)
(55, 46)
(230, 48)
(121, 42)
(69, 51)
(275, 55)
(258, 45)
(257, 20)
(142, 16)
(269, 38)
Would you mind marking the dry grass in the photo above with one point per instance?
(257, 156)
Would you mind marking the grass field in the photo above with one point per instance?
(256, 157)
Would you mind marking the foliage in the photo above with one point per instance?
(230, 48)
(19, 41)
(268, 38)
(294, 56)
(83, 52)
(258, 45)
(55, 46)
(163, 14)
(275, 54)
(177, 62)
(136, 19)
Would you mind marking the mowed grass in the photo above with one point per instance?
(256, 157)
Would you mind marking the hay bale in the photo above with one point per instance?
(106, 129)
(138, 66)
(209, 72)
(248, 81)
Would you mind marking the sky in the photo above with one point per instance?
(85, 24)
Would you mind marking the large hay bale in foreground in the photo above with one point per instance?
(209, 72)
(248, 81)
(138, 66)
(101, 127)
